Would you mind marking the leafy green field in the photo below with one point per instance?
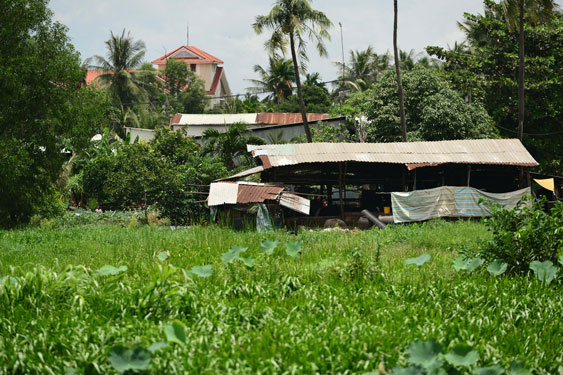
(333, 310)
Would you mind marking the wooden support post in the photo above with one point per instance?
(414, 184)
(469, 175)
(404, 178)
(340, 183)
(529, 178)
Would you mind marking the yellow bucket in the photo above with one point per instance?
(386, 210)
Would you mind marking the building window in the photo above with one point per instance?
(192, 67)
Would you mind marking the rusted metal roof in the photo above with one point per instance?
(412, 154)
(240, 192)
(267, 118)
(257, 193)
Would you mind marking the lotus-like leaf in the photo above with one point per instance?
(544, 271)
(411, 370)
(268, 246)
(124, 359)
(473, 264)
(233, 253)
(462, 355)
(469, 265)
(176, 332)
(497, 268)
(202, 271)
(157, 346)
(561, 260)
(519, 368)
(491, 370)
(163, 255)
(293, 248)
(248, 261)
(425, 354)
(110, 271)
(419, 261)
(71, 371)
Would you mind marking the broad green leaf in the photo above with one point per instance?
(268, 246)
(519, 368)
(469, 265)
(293, 248)
(110, 271)
(419, 261)
(71, 371)
(425, 354)
(462, 355)
(544, 271)
(176, 332)
(202, 271)
(460, 263)
(473, 264)
(163, 255)
(491, 370)
(411, 370)
(157, 346)
(497, 268)
(561, 260)
(123, 358)
(233, 253)
(248, 261)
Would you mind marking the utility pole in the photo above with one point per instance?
(343, 63)
(187, 34)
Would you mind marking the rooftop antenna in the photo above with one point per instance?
(187, 34)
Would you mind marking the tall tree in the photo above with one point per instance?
(124, 55)
(515, 10)
(39, 84)
(398, 72)
(292, 22)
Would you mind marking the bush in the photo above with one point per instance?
(524, 234)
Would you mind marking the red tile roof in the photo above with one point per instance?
(92, 75)
(215, 83)
(204, 56)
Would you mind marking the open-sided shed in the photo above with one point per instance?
(365, 174)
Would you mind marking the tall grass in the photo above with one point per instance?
(313, 315)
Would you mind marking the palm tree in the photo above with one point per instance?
(398, 71)
(277, 79)
(123, 56)
(291, 22)
(515, 10)
(363, 69)
(314, 79)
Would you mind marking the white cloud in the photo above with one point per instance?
(223, 27)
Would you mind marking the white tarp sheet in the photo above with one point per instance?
(448, 201)
(222, 193)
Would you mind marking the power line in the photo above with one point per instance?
(530, 134)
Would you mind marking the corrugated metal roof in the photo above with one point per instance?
(267, 118)
(241, 192)
(257, 193)
(478, 151)
(248, 172)
(216, 119)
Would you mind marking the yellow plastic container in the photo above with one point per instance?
(386, 210)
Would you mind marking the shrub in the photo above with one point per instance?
(524, 234)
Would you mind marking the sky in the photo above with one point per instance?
(223, 28)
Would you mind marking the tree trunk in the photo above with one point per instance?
(398, 71)
(521, 73)
(299, 93)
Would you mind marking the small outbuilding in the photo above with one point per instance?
(346, 178)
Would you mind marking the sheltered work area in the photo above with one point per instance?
(347, 178)
(241, 203)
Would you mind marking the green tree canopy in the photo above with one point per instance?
(277, 79)
(486, 69)
(40, 79)
(434, 111)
